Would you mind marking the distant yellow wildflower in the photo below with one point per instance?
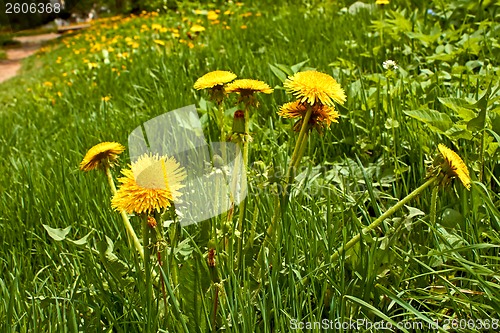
(212, 15)
(197, 28)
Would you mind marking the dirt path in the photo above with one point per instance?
(29, 45)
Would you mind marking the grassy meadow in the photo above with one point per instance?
(430, 264)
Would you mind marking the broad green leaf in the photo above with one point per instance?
(494, 134)
(194, 288)
(295, 68)
(462, 108)
(412, 212)
(459, 132)
(57, 234)
(286, 69)
(437, 121)
(278, 72)
(81, 241)
(116, 267)
(479, 122)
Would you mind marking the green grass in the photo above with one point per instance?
(406, 270)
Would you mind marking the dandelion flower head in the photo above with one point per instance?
(214, 79)
(152, 183)
(453, 166)
(314, 87)
(102, 154)
(248, 87)
(322, 115)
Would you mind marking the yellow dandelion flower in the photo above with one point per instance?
(104, 153)
(315, 87)
(197, 28)
(159, 42)
(247, 87)
(212, 15)
(214, 79)
(322, 115)
(243, 27)
(382, 2)
(152, 183)
(48, 84)
(453, 166)
(156, 26)
(106, 98)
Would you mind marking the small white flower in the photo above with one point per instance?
(390, 65)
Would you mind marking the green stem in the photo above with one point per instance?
(174, 240)
(222, 132)
(297, 154)
(126, 222)
(147, 270)
(243, 204)
(378, 221)
(432, 214)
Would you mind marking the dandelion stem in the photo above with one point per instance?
(126, 222)
(220, 109)
(174, 240)
(147, 270)
(242, 210)
(298, 151)
(294, 162)
(378, 221)
(432, 214)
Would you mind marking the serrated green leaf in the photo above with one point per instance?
(57, 234)
(437, 121)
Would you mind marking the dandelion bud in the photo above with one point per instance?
(239, 122)
(211, 258)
